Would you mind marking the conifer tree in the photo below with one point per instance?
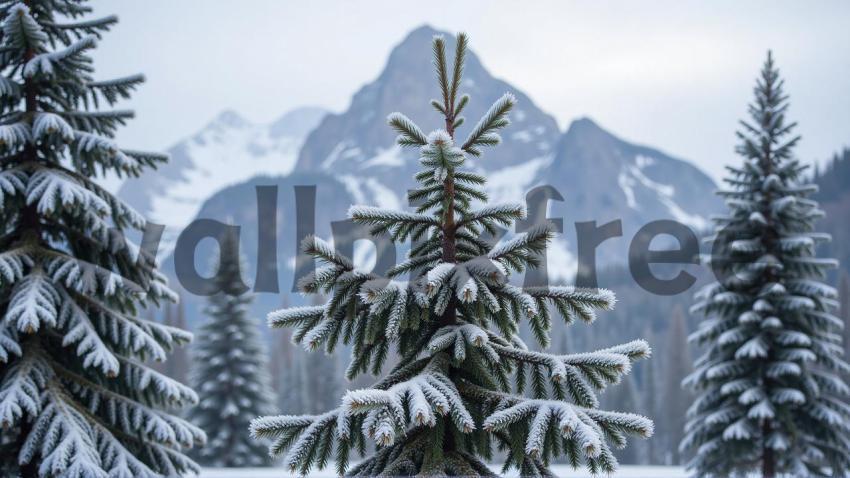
(465, 383)
(769, 386)
(76, 397)
(230, 373)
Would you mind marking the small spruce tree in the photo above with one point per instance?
(769, 386)
(76, 396)
(230, 373)
(465, 383)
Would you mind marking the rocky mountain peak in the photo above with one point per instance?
(358, 144)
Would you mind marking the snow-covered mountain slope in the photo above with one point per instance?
(227, 151)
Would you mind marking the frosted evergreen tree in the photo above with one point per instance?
(76, 397)
(769, 386)
(230, 373)
(465, 384)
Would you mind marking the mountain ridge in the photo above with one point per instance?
(601, 176)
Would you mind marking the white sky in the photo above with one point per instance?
(676, 75)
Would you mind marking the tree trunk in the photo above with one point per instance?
(768, 462)
(449, 245)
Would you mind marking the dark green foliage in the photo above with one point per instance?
(78, 397)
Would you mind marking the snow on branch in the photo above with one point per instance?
(81, 331)
(88, 279)
(391, 296)
(63, 438)
(484, 133)
(399, 224)
(166, 390)
(78, 29)
(121, 213)
(51, 189)
(519, 251)
(14, 136)
(143, 338)
(573, 302)
(46, 125)
(13, 263)
(581, 372)
(22, 30)
(440, 155)
(8, 343)
(34, 303)
(488, 217)
(21, 391)
(12, 183)
(298, 434)
(123, 413)
(427, 395)
(295, 316)
(409, 133)
(115, 89)
(458, 338)
(100, 122)
(66, 60)
(586, 429)
(94, 149)
(318, 248)
(9, 88)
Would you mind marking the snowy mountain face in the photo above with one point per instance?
(359, 148)
(228, 151)
(604, 178)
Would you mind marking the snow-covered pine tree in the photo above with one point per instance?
(76, 398)
(230, 373)
(769, 383)
(450, 399)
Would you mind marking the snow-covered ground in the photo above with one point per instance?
(561, 471)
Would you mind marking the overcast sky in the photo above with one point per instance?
(676, 75)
